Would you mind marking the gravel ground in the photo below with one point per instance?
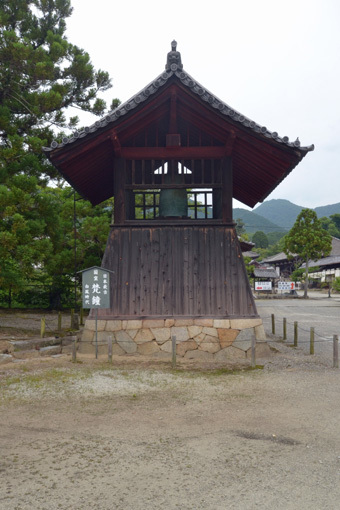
(144, 436)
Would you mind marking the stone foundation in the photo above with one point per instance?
(201, 339)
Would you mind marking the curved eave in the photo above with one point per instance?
(195, 87)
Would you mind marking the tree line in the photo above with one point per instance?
(43, 78)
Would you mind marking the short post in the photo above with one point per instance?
(59, 321)
(173, 343)
(335, 351)
(273, 324)
(75, 322)
(74, 350)
(253, 344)
(109, 348)
(311, 347)
(42, 327)
(295, 334)
(72, 314)
(81, 316)
(284, 328)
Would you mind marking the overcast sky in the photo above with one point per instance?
(276, 62)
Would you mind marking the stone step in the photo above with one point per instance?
(34, 343)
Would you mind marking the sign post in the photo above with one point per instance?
(96, 291)
(286, 286)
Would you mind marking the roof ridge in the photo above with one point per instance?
(174, 67)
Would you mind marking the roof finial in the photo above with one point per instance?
(174, 61)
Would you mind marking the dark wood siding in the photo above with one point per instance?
(177, 271)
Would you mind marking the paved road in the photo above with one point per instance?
(318, 311)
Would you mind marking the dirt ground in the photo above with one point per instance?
(142, 436)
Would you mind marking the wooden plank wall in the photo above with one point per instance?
(177, 271)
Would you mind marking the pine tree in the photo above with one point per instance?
(42, 75)
(308, 240)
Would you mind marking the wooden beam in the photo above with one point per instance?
(227, 190)
(215, 152)
(116, 144)
(119, 192)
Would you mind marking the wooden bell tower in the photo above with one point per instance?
(173, 157)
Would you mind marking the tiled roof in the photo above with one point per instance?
(265, 272)
(176, 69)
(88, 159)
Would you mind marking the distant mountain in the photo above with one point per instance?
(327, 210)
(254, 222)
(279, 211)
(277, 215)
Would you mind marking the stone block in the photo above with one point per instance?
(132, 324)
(181, 333)
(262, 350)
(221, 323)
(245, 323)
(199, 355)
(132, 333)
(34, 353)
(117, 350)
(5, 358)
(244, 339)
(102, 338)
(125, 342)
(210, 344)
(50, 350)
(208, 323)
(91, 325)
(161, 334)
(199, 338)
(194, 331)
(166, 347)
(6, 347)
(229, 354)
(183, 347)
(210, 331)
(153, 323)
(169, 323)
(87, 335)
(260, 333)
(227, 336)
(85, 348)
(113, 325)
(148, 348)
(184, 322)
(144, 335)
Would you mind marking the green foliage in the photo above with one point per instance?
(260, 239)
(240, 228)
(308, 240)
(42, 75)
(331, 225)
(274, 237)
(336, 284)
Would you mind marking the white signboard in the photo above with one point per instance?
(286, 285)
(263, 285)
(96, 288)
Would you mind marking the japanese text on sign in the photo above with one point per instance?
(286, 285)
(263, 286)
(96, 288)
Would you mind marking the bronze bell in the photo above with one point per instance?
(173, 202)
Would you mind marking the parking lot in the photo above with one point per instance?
(318, 311)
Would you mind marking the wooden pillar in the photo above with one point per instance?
(227, 190)
(119, 192)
